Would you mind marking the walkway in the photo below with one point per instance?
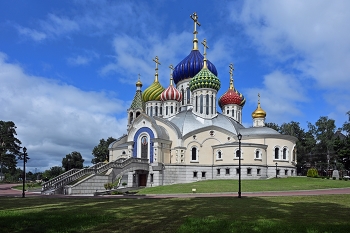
(7, 191)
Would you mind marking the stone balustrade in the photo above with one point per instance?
(74, 174)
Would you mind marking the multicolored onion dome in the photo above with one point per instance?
(190, 66)
(231, 96)
(171, 93)
(205, 79)
(259, 112)
(153, 92)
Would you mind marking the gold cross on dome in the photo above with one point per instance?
(194, 17)
(139, 76)
(204, 43)
(259, 98)
(171, 74)
(156, 60)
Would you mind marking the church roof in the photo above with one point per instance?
(257, 131)
(137, 102)
(187, 122)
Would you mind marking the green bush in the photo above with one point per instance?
(312, 172)
(108, 186)
(124, 183)
(334, 178)
(340, 178)
(346, 179)
(327, 177)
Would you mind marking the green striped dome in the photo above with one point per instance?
(205, 79)
(153, 92)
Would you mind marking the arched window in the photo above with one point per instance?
(183, 96)
(233, 113)
(257, 154)
(194, 154)
(144, 147)
(219, 155)
(237, 154)
(188, 95)
(131, 116)
(207, 104)
(166, 110)
(196, 103)
(212, 104)
(277, 153)
(156, 111)
(151, 111)
(284, 153)
(171, 109)
(138, 114)
(201, 104)
(161, 111)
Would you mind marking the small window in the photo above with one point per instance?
(237, 171)
(286, 172)
(278, 172)
(212, 133)
(123, 153)
(195, 174)
(227, 111)
(237, 154)
(227, 171)
(194, 156)
(277, 150)
(203, 174)
(219, 155)
(257, 154)
(151, 178)
(258, 171)
(218, 171)
(284, 153)
(249, 171)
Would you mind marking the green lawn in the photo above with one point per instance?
(218, 186)
(312, 214)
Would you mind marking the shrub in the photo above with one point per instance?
(312, 172)
(346, 179)
(327, 177)
(124, 183)
(334, 178)
(108, 186)
(340, 178)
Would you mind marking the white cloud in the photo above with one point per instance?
(54, 119)
(280, 97)
(31, 33)
(313, 34)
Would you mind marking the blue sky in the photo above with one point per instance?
(68, 68)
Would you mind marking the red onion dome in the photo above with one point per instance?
(231, 96)
(171, 93)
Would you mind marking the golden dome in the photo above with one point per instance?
(139, 83)
(259, 112)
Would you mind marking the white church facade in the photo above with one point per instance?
(186, 138)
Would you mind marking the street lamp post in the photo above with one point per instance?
(239, 164)
(24, 171)
(276, 169)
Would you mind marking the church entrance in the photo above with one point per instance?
(142, 179)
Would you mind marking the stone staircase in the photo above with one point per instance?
(57, 184)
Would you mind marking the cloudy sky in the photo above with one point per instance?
(68, 68)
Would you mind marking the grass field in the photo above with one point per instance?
(298, 214)
(311, 214)
(285, 184)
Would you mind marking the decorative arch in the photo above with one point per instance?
(285, 153)
(276, 152)
(139, 135)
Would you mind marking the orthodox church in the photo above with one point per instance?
(184, 136)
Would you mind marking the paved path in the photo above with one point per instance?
(6, 190)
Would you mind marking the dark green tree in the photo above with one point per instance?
(52, 172)
(73, 160)
(100, 152)
(273, 126)
(9, 146)
(342, 145)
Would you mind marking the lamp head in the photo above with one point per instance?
(24, 149)
(239, 136)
